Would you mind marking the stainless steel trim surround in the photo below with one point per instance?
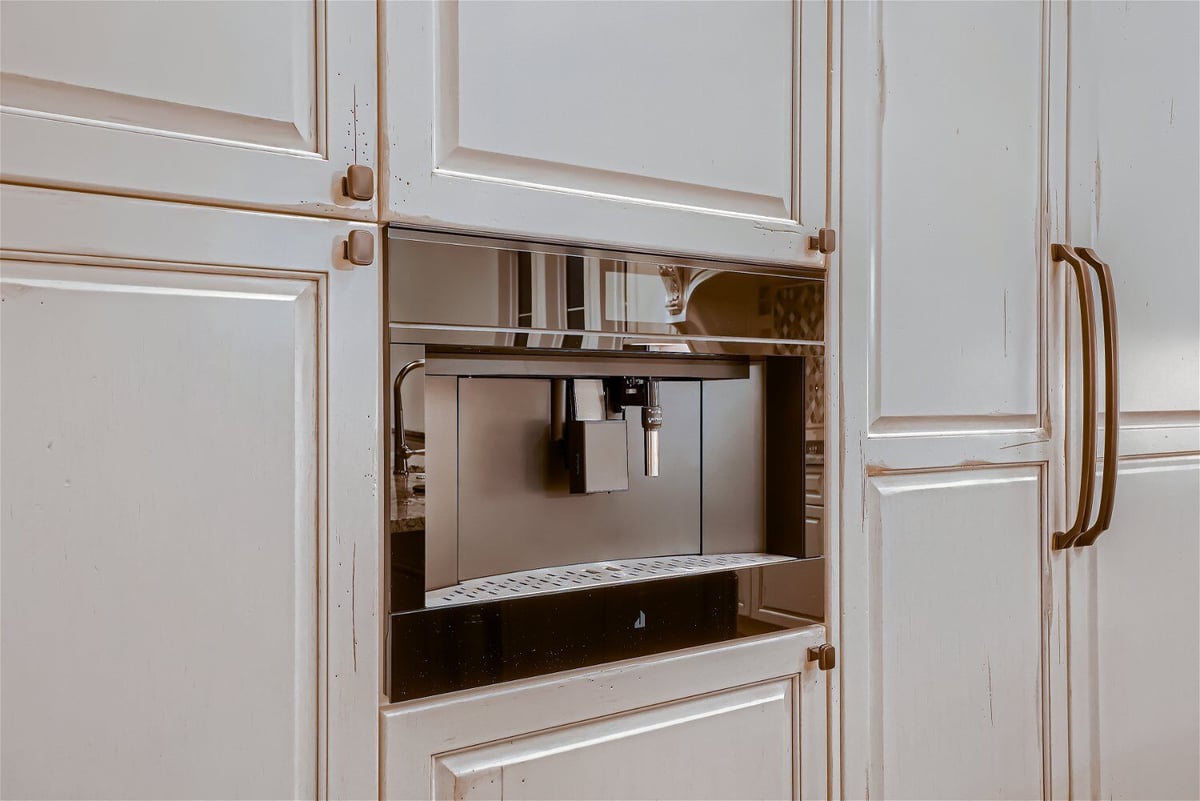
(451, 236)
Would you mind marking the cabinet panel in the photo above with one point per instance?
(745, 719)
(732, 744)
(958, 217)
(218, 373)
(160, 550)
(1135, 121)
(199, 103)
(681, 127)
(1135, 622)
(956, 645)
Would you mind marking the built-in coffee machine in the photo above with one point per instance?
(591, 450)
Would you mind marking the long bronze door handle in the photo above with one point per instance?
(1087, 462)
(1112, 425)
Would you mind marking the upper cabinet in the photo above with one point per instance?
(252, 104)
(689, 127)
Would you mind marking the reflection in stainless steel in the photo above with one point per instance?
(535, 297)
(400, 450)
(509, 336)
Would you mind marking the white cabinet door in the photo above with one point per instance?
(1135, 644)
(1135, 199)
(951, 600)
(679, 127)
(741, 720)
(257, 104)
(189, 536)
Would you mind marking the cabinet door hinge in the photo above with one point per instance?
(824, 242)
(825, 655)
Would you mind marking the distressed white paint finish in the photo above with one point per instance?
(259, 104)
(951, 350)
(1135, 121)
(1135, 624)
(958, 251)
(695, 127)
(730, 744)
(742, 719)
(1135, 646)
(160, 533)
(209, 383)
(956, 647)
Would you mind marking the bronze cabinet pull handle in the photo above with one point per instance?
(1087, 472)
(1112, 425)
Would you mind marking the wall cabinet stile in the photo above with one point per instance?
(252, 104)
(696, 127)
(191, 512)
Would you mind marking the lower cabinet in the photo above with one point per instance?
(740, 720)
(184, 559)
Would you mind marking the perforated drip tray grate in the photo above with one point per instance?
(592, 574)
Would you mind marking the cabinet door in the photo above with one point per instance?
(742, 720)
(187, 538)
(159, 551)
(1135, 644)
(255, 104)
(679, 127)
(951, 598)
(1135, 198)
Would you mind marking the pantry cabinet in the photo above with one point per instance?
(741, 720)
(1133, 198)
(980, 659)
(191, 521)
(253, 104)
(697, 128)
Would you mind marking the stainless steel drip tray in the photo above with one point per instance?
(592, 574)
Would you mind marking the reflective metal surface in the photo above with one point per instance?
(468, 294)
(583, 410)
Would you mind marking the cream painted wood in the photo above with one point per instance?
(160, 541)
(253, 104)
(980, 266)
(190, 596)
(1135, 639)
(695, 127)
(1135, 121)
(951, 327)
(955, 652)
(730, 744)
(1134, 197)
(742, 719)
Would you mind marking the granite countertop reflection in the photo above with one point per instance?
(406, 514)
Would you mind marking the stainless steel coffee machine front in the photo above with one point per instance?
(569, 419)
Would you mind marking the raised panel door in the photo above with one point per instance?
(257, 104)
(957, 645)
(743, 719)
(1134, 198)
(191, 401)
(161, 538)
(731, 744)
(952, 126)
(678, 127)
(1135, 646)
